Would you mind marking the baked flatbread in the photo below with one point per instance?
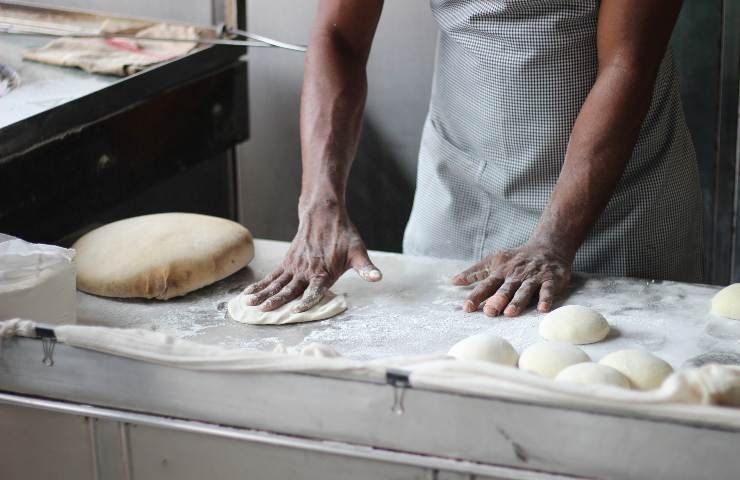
(160, 256)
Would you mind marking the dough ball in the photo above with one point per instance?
(593, 374)
(485, 347)
(329, 306)
(726, 303)
(644, 370)
(574, 324)
(550, 358)
(160, 256)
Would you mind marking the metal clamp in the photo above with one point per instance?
(48, 342)
(399, 380)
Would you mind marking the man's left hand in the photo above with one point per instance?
(508, 280)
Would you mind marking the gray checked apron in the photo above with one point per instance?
(511, 77)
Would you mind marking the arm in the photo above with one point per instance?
(332, 102)
(632, 36)
(631, 41)
(333, 96)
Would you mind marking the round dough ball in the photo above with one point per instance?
(485, 347)
(550, 358)
(726, 302)
(574, 324)
(643, 369)
(160, 256)
(593, 373)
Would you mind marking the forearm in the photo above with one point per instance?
(600, 146)
(632, 36)
(332, 104)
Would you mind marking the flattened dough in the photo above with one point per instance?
(643, 369)
(550, 358)
(593, 374)
(160, 256)
(726, 302)
(485, 347)
(330, 306)
(574, 324)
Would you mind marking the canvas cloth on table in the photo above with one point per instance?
(37, 281)
(117, 56)
(692, 394)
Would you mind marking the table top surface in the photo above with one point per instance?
(415, 310)
(42, 86)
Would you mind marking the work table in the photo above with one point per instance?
(415, 310)
(150, 416)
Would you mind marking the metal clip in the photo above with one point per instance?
(399, 380)
(48, 342)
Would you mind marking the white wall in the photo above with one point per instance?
(400, 74)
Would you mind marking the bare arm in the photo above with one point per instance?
(333, 96)
(632, 36)
(332, 102)
(631, 41)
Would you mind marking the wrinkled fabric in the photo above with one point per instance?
(117, 56)
(692, 394)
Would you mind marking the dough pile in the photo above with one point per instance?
(331, 305)
(643, 369)
(593, 374)
(574, 324)
(550, 358)
(560, 359)
(485, 347)
(160, 256)
(726, 303)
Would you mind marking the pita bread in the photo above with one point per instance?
(160, 256)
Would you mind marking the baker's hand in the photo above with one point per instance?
(510, 279)
(327, 245)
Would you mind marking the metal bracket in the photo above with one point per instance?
(399, 380)
(48, 342)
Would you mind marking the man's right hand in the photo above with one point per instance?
(327, 245)
(332, 101)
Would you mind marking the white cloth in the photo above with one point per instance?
(17, 328)
(37, 281)
(687, 395)
(692, 394)
(163, 349)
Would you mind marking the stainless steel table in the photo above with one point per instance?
(99, 416)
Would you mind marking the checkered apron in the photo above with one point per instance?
(511, 76)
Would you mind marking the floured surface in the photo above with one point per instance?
(43, 86)
(329, 306)
(414, 310)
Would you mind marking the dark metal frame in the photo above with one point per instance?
(707, 47)
(728, 141)
(56, 122)
(61, 168)
(726, 243)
